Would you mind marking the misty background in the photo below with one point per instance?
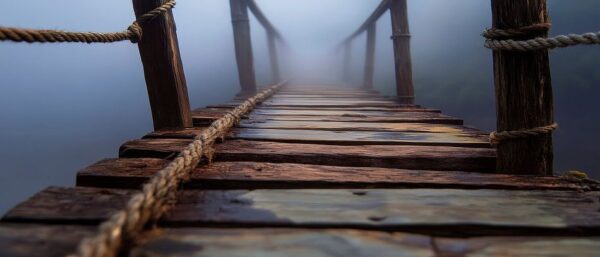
(65, 106)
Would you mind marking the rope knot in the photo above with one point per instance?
(135, 32)
(497, 138)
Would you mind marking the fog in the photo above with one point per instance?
(66, 106)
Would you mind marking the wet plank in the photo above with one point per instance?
(338, 113)
(519, 247)
(284, 242)
(132, 173)
(20, 240)
(384, 156)
(360, 137)
(432, 211)
(405, 118)
(337, 137)
(356, 126)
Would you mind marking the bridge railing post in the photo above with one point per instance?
(243, 45)
(402, 56)
(163, 70)
(370, 56)
(347, 58)
(274, 58)
(523, 91)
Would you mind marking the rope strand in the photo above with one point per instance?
(156, 196)
(133, 32)
(497, 138)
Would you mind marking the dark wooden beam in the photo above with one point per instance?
(379, 11)
(274, 58)
(165, 79)
(523, 91)
(370, 56)
(347, 59)
(243, 45)
(402, 57)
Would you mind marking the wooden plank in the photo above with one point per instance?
(384, 156)
(519, 246)
(21, 240)
(431, 211)
(362, 126)
(284, 242)
(401, 118)
(347, 113)
(308, 108)
(360, 137)
(131, 173)
(163, 69)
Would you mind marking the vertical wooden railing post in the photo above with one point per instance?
(370, 56)
(274, 57)
(347, 59)
(243, 45)
(402, 57)
(523, 91)
(163, 70)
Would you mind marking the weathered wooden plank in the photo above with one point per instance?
(362, 126)
(519, 246)
(385, 156)
(284, 242)
(20, 240)
(131, 173)
(402, 117)
(432, 211)
(360, 137)
(234, 104)
(347, 113)
(308, 108)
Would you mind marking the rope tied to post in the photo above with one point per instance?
(497, 138)
(133, 32)
(159, 192)
(503, 39)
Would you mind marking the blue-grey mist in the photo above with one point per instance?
(66, 106)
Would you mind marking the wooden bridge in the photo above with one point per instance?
(325, 170)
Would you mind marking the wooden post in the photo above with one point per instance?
(243, 45)
(165, 80)
(276, 76)
(402, 58)
(370, 57)
(347, 59)
(523, 91)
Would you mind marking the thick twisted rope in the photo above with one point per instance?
(497, 138)
(500, 39)
(133, 32)
(159, 193)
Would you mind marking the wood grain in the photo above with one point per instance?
(402, 55)
(132, 173)
(432, 211)
(523, 90)
(21, 240)
(360, 137)
(163, 69)
(385, 156)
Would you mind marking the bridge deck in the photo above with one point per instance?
(318, 171)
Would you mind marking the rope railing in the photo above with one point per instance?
(133, 32)
(502, 40)
(158, 194)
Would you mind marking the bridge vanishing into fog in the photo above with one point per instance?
(322, 170)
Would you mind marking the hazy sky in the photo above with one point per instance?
(66, 106)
